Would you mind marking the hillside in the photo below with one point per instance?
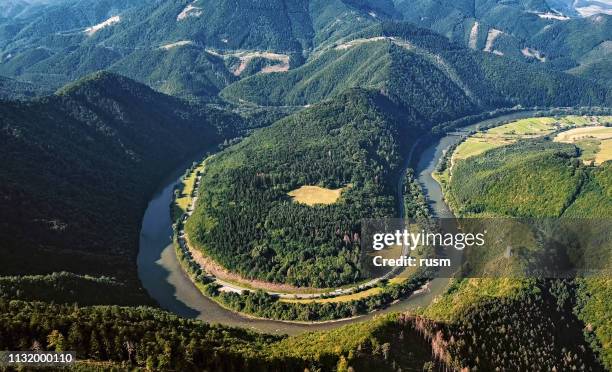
(142, 337)
(11, 89)
(420, 70)
(537, 178)
(79, 167)
(246, 220)
(187, 53)
(489, 183)
(128, 338)
(537, 31)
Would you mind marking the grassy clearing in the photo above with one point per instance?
(478, 144)
(531, 126)
(185, 198)
(595, 142)
(464, 294)
(313, 195)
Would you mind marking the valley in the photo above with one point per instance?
(192, 185)
(425, 165)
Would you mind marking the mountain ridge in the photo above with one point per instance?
(79, 166)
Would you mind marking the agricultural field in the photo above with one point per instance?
(595, 142)
(185, 198)
(316, 195)
(521, 129)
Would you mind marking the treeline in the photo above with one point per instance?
(261, 304)
(535, 331)
(79, 167)
(246, 221)
(70, 288)
(140, 337)
(135, 337)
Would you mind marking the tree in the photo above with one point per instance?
(56, 341)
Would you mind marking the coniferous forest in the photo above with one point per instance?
(142, 140)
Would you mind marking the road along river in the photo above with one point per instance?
(166, 282)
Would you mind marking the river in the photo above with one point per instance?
(166, 282)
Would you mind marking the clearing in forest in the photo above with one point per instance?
(186, 196)
(595, 142)
(313, 195)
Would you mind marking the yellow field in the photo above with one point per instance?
(595, 142)
(313, 195)
(478, 144)
(531, 126)
(605, 152)
(524, 128)
(571, 136)
(184, 199)
(348, 297)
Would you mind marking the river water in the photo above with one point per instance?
(166, 282)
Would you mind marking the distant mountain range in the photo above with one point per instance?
(582, 7)
(430, 77)
(197, 48)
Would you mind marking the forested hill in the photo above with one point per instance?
(189, 48)
(246, 220)
(423, 72)
(537, 31)
(196, 48)
(79, 166)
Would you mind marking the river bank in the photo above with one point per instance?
(169, 285)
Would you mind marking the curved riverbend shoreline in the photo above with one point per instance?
(163, 277)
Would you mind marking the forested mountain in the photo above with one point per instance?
(533, 30)
(13, 89)
(78, 168)
(246, 221)
(196, 48)
(191, 48)
(420, 70)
